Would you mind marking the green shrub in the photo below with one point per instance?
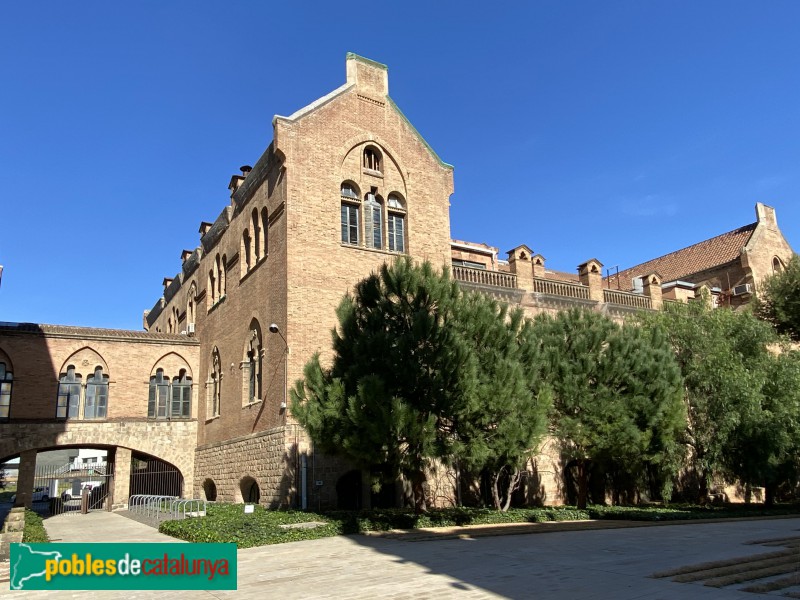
(228, 523)
(34, 531)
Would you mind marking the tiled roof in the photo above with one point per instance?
(92, 332)
(699, 257)
(561, 276)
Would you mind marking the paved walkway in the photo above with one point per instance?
(587, 564)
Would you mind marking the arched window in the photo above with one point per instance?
(221, 282)
(350, 209)
(212, 289)
(96, 406)
(252, 365)
(159, 396)
(170, 400)
(246, 256)
(372, 159)
(264, 233)
(190, 306)
(6, 380)
(373, 221)
(69, 395)
(396, 223)
(181, 396)
(214, 387)
(777, 265)
(256, 235)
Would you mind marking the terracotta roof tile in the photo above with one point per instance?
(92, 332)
(561, 276)
(704, 255)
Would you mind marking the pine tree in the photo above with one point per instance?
(422, 372)
(499, 425)
(616, 393)
(399, 372)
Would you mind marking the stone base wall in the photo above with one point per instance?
(268, 457)
(274, 459)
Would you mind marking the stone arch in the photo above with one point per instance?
(5, 358)
(248, 491)
(172, 363)
(85, 360)
(357, 143)
(210, 490)
(348, 491)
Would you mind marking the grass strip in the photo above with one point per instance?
(714, 564)
(779, 569)
(771, 586)
(772, 541)
(745, 566)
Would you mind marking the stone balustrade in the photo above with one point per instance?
(484, 277)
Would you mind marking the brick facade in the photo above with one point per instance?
(257, 298)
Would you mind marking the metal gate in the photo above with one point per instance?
(151, 476)
(72, 490)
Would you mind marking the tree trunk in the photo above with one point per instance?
(583, 483)
(418, 492)
(769, 494)
(513, 481)
(496, 490)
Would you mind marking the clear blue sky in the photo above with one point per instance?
(618, 130)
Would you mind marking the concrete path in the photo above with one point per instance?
(612, 564)
(101, 526)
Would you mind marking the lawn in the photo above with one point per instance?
(229, 523)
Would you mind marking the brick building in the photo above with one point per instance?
(346, 184)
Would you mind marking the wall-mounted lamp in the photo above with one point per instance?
(273, 328)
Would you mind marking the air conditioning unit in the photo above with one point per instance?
(190, 328)
(745, 288)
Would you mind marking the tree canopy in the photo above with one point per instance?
(421, 372)
(617, 395)
(778, 300)
(741, 391)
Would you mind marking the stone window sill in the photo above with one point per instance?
(375, 250)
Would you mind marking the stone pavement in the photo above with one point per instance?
(587, 564)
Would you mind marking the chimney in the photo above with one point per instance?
(590, 274)
(766, 215)
(204, 227)
(166, 282)
(538, 266)
(370, 77)
(519, 260)
(651, 286)
(185, 255)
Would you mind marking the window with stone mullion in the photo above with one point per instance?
(159, 396)
(181, 397)
(349, 224)
(6, 381)
(96, 405)
(69, 395)
(396, 225)
(373, 233)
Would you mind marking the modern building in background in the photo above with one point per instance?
(346, 184)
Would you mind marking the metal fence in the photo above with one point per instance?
(73, 489)
(154, 507)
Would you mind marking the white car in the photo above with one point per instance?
(40, 494)
(86, 488)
